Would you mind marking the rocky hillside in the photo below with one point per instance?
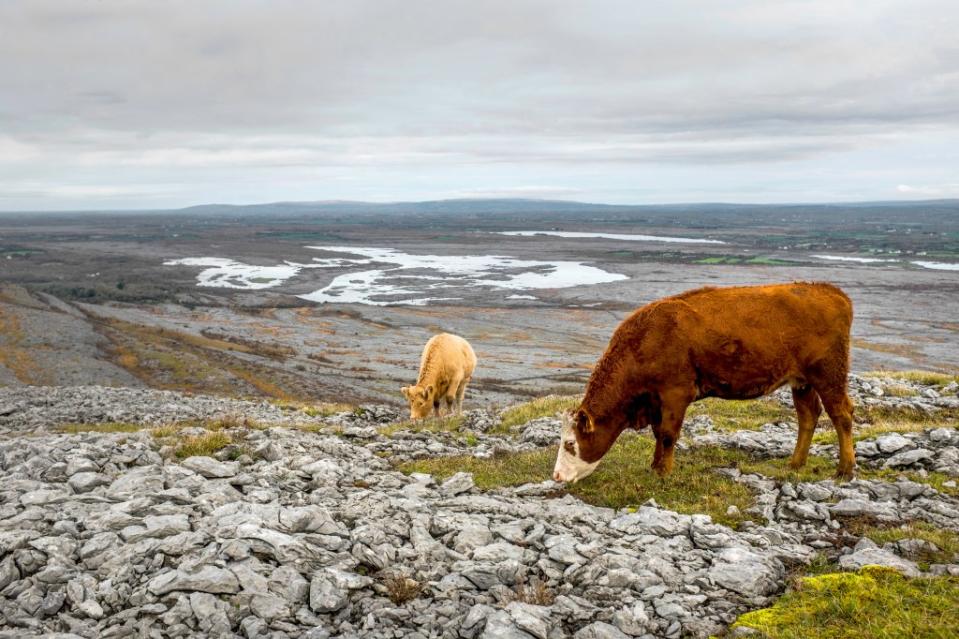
(157, 514)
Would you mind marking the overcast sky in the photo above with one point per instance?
(146, 104)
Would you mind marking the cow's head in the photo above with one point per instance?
(584, 439)
(420, 399)
(581, 446)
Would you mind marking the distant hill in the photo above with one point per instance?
(518, 205)
(926, 215)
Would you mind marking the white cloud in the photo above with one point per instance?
(392, 99)
(941, 190)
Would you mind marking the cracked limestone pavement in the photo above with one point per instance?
(306, 533)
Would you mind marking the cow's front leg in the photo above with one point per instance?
(665, 448)
(658, 453)
(667, 431)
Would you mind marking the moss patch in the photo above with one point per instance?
(876, 603)
(624, 478)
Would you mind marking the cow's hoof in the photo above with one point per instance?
(661, 471)
(843, 475)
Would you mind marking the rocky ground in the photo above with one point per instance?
(306, 529)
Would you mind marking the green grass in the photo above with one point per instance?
(928, 378)
(323, 409)
(720, 259)
(768, 261)
(103, 427)
(870, 430)
(540, 407)
(899, 390)
(818, 468)
(624, 478)
(879, 413)
(946, 540)
(164, 432)
(875, 603)
(733, 414)
(447, 423)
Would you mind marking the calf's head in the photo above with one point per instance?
(420, 399)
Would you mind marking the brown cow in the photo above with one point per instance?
(734, 343)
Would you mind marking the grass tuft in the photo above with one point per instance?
(536, 593)
(401, 589)
(205, 445)
(875, 603)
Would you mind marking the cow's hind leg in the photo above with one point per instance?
(839, 408)
(808, 409)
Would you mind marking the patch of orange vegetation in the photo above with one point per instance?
(13, 356)
(265, 387)
(564, 365)
(903, 350)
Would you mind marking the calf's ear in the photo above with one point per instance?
(406, 391)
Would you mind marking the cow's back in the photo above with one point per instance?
(753, 339)
(736, 342)
(798, 317)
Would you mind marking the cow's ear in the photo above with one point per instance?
(406, 391)
(583, 423)
(429, 391)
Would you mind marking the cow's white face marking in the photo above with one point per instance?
(569, 467)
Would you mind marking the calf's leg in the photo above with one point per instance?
(808, 409)
(460, 391)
